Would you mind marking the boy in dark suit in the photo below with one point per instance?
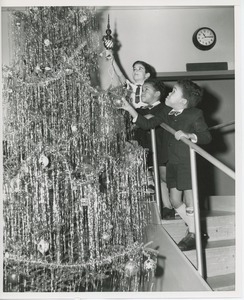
(153, 94)
(182, 115)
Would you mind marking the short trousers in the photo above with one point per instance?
(178, 176)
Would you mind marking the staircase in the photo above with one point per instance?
(218, 250)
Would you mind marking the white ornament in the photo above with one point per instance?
(118, 102)
(68, 71)
(44, 160)
(83, 19)
(47, 42)
(43, 246)
(131, 268)
(37, 69)
(150, 264)
(106, 237)
(73, 128)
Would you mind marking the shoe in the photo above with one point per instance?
(150, 189)
(188, 242)
(168, 213)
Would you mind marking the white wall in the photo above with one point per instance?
(162, 36)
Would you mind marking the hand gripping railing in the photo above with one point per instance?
(193, 148)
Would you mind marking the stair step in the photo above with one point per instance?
(219, 255)
(222, 282)
(218, 225)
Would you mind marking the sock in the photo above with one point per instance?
(191, 221)
(181, 210)
(187, 214)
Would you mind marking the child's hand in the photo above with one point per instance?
(124, 104)
(109, 54)
(190, 136)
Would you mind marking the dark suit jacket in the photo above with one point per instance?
(144, 136)
(191, 120)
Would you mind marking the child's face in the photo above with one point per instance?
(175, 98)
(149, 94)
(139, 73)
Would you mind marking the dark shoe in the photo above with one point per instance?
(188, 242)
(150, 189)
(168, 213)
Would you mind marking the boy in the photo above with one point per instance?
(153, 94)
(141, 71)
(182, 115)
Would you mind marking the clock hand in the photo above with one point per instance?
(209, 36)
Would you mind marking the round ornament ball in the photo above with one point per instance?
(83, 19)
(13, 278)
(47, 42)
(149, 264)
(43, 246)
(74, 128)
(118, 103)
(131, 268)
(6, 254)
(106, 237)
(44, 160)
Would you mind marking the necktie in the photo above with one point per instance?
(137, 98)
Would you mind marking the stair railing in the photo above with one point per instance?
(193, 149)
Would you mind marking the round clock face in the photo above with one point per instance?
(204, 38)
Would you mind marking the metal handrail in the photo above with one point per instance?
(221, 125)
(203, 153)
(193, 148)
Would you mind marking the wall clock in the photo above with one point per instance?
(204, 38)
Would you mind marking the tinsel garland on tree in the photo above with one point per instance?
(74, 187)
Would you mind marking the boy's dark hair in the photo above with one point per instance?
(191, 92)
(158, 86)
(148, 68)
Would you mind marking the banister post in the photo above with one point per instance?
(196, 212)
(155, 169)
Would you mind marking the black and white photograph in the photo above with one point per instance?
(120, 166)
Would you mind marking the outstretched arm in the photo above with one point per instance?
(109, 55)
(140, 120)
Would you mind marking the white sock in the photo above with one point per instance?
(181, 210)
(191, 221)
(187, 215)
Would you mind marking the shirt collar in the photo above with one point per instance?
(155, 104)
(150, 106)
(175, 112)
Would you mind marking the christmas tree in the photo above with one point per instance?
(73, 184)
